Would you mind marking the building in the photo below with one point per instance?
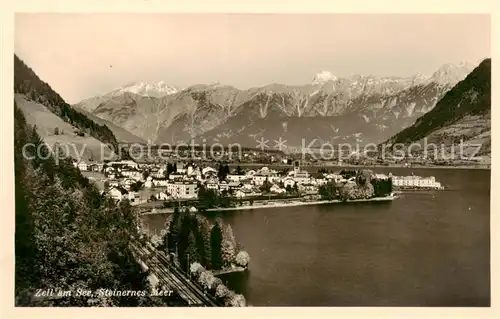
(208, 169)
(277, 190)
(416, 182)
(97, 167)
(236, 178)
(134, 174)
(132, 196)
(113, 183)
(162, 196)
(128, 163)
(223, 186)
(288, 181)
(212, 184)
(118, 193)
(184, 190)
(160, 182)
(83, 166)
(176, 176)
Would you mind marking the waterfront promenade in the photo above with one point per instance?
(277, 204)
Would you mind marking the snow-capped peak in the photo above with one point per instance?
(452, 73)
(323, 77)
(154, 89)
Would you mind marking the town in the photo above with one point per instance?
(160, 185)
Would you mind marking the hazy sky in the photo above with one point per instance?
(74, 52)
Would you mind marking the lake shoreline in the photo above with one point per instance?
(472, 167)
(284, 205)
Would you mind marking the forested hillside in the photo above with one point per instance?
(470, 97)
(28, 83)
(68, 236)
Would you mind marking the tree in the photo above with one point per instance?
(266, 186)
(328, 191)
(223, 171)
(67, 234)
(228, 245)
(216, 246)
(348, 173)
(225, 199)
(192, 254)
(239, 171)
(56, 131)
(135, 187)
(173, 231)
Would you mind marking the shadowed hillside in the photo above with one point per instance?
(470, 97)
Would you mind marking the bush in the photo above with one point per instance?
(207, 279)
(222, 291)
(242, 259)
(196, 269)
(235, 300)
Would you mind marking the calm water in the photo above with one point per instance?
(428, 249)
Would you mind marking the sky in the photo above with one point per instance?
(85, 54)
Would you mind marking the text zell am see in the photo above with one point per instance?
(61, 293)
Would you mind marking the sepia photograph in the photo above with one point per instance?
(252, 159)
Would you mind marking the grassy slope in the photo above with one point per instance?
(46, 121)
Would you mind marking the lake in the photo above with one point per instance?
(424, 249)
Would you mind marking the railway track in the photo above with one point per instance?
(171, 276)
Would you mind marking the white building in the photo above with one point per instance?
(223, 186)
(244, 192)
(207, 169)
(184, 190)
(118, 193)
(136, 175)
(416, 182)
(236, 178)
(277, 190)
(176, 176)
(97, 167)
(288, 181)
(212, 184)
(160, 182)
(259, 179)
(162, 196)
(83, 166)
(114, 183)
(128, 163)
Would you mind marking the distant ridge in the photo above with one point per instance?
(357, 109)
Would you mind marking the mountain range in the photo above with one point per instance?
(358, 108)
